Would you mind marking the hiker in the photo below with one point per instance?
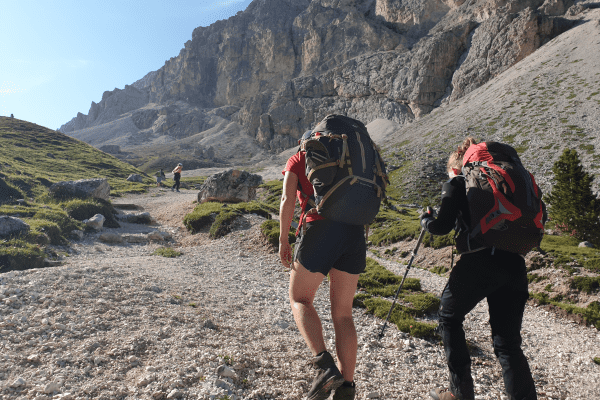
(177, 176)
(325, 247)
(482, 272)
(160, 176)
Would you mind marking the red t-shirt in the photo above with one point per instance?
(296, 164)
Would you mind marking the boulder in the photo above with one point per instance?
(586, 244)
(137, 218)
(231, 186)
(11, 226)
(135, 178)
(111, 238)
(96, 222)
(83, 188)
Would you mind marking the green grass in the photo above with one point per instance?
(219, 216)
(565, 251)
(270, 230)
(377, 282)
(166, 252)
(585, 284)
(591, 313)
(34, 157)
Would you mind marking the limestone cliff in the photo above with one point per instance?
(281, 65)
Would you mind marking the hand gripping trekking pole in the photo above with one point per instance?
(414, 254)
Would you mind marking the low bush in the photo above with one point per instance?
(270, 231)
(220, 216)
(81, 209)
(586, 284)
(16, 254)
(166, 252)
(43, 227)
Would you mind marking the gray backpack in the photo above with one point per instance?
(346, 170)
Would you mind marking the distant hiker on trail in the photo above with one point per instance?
(177, 176)
(160, 176)
(484, 270)
(325, 247)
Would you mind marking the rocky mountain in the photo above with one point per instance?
(281, 65)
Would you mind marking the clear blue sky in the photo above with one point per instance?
(56, 57)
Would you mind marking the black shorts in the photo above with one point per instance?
(328, 244)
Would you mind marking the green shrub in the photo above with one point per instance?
(166, 252)
(597, 360)
(65, 223)
(220, 216)
(270, 231)
(81, 209)
(392, 226)
(16, 254)
(591, 313)
(45, 227)
(222, 224)
(585, 284)
(376, 276)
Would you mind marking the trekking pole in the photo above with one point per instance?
(414, 254)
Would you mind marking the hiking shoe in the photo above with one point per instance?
(328, 378)
(442, 394)
(345, 392)
(172, 190)
(177, 190)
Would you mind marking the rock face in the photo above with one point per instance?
(11, 226)
(230, 186)
(98, 188)
(281, 65)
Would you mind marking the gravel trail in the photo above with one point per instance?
(116, 322)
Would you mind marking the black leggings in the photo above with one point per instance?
(177, 177)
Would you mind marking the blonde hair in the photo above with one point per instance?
(456, 158)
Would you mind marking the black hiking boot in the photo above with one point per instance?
(328, 378)
(345, 392)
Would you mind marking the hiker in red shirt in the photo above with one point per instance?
(323, 247)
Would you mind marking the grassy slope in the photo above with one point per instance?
(33, 157)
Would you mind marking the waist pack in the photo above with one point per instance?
(346, 170)
(504, 201)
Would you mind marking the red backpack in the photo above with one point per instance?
(505, 203)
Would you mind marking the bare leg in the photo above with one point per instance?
(342, 290)
(303, 287)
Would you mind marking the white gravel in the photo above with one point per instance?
(115, 322)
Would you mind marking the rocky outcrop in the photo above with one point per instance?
(231, 186)
(11, 226)
(98, 188)
(284, 64)
(135, 178)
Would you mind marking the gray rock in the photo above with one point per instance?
(586, 244)
(159, 236)
(96, 222)
(77, 234)
(111, 238)
(135, 178)
(137, 218)
(230, 186)
(224, 370)
(10, 226)
(135, 238)
(98, 188)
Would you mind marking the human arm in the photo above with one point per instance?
(453, 193)
(286, 214)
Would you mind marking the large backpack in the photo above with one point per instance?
(346, 170)
(505, 203)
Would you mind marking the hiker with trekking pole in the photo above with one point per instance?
(495, 207)
(339, 180)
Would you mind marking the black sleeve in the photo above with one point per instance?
(453, 193)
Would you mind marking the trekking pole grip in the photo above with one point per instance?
(414, 254)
